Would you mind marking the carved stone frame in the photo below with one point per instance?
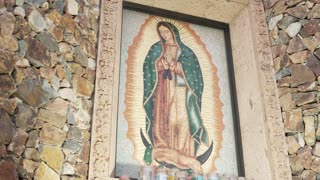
(263, 140)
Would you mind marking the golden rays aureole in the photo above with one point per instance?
(211, 104)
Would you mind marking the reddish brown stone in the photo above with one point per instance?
(295, 45)
(315, 1)
(36, 53)
(57, 32)
(293, 121)
(8, 170)
(311, 86)
(6, 127)
(54, 16)
(310, 28)
(17, 145)
(47, 73)
(21, 28)
(82, 169)
(304, 98)
(298, 11)
(7, 86)
(7, 61)
(85, 152)
(314, 64)
(284, 90)
(301, 74)
(305, 156)
(284, 82)
(299, 57)
(26, 117)
(317, 53)
(293, 2)
(308, 174)
(3, 151)
(33, 139)
(68, 23)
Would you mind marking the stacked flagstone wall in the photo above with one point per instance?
(294, 29)
(47, 72)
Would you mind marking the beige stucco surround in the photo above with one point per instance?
(263, 140)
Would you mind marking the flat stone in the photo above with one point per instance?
(17, 144)
(8, 105)
(8, 170)
(7, 86)
(85, 152)
(58, 106)
(35, 3)
(295, 45)
(67, 23)
(315, 1)
(312, 86)
(45, 172)
(317, 53)
(286, 101)
(21, 28)
(293, 144)
(67, 169)
(92, 63)
(296, 165)
(7, 62)
(60, 72)
(9, 42)
(91, 49)
(310, 112)
(72, 7)
(80, 56)
(293, 120)
(293, 29)
(29, 166)
(33, 139)
(315, 166)
(39, 125)
(284, 82)
(309, 133)
(314, 64)
(72, 145)
(312, 42)
(68, 94)
(274, 21)
(19, 11)
(53, 156)
(37, 54)
(19, 2)
(276, 63)
(52, 135)
(74, 133)
(31, 92)
(310, 28)
(269, 3)
(315, 12)
(318, 130)
(82, 169)
(293, 2)
(308, 174)
(286, 21)
(299, 57)
(54, 17)
(301, 74)
(83, 119)
(304, 98)
(32, 153)
(7, 20)
(59, 5)
(65, 84)
(26, 117)
(300, 137)
(82, 86)
(64, 47)
(76, 69)
(47, 88)
(47, 73)
(285, 61)
(19, 75)
(296, 178)
(37, 21)
(298, 11)
(71, 118)
(48, 41)
(57, 32)
(305, 156)
(55, 82)
(6, 127)
(91, 75)
(316, 149)
(22, 48)
(309, 4)
(22, 62)
(51, 117)
(283, 73)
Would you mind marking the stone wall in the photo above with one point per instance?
(294, 29)
(47, 72)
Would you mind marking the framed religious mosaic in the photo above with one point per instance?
(177, 106)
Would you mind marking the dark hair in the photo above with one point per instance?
(165, 24)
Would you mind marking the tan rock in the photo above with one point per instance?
(72, 7)
(299, 57)
(85, 152)
(29, 165)
(316, 149)
(64, 47)
(76, 68)
(296, 178)
(47, 73)
(9, 42)
(310, 112)
(310, 134)
(32, 153)
(22, 62)
(304, 98)
(67, 169)
(287, 102)
(305, 156)
(52, 135)
(318, 130)
(45, 173)
(296, 165)
(53, 156)
(311, 86)
(83, 119)
(67, 93)
(19, 75)
(301, 74)
(293, 145)
(53, 118)
(82, 86)
(58, 106)
(315, 166)
(65, 84)
(312, 42)
(8, 105)
(293, 120)
(68, 23)
(284, 82)
(54, 16)
(33, 139)
(57, 32)
(285, 90)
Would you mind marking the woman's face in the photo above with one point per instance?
(165, 33)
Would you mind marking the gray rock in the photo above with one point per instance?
(19, 11)
(53, 118)
(59, 6)
(283, 73)
(55, 82)
(74, 133)
(35, 3)
(72, 7)
(6, 127)
(48, 41)
(22, 48)
(72, 145)
(7, 86)
(80, 56)
(33, 139)
(67, 93)
(32, 93)
(70, 116)
(26, 117)
(47, 88)
(283, 37)
(274, 21)
(52, 135)
(293, 29)
(37, 21)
